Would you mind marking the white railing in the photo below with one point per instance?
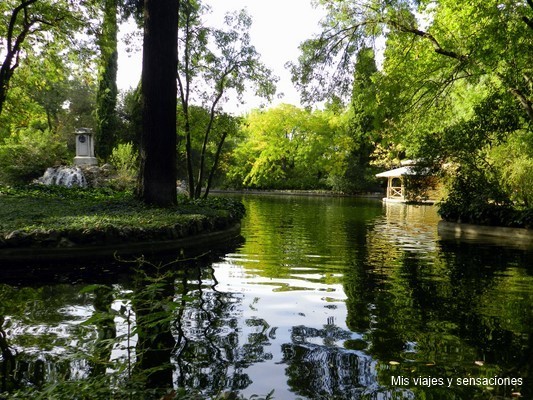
(395, 192)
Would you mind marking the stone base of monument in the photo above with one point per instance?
(81, 160)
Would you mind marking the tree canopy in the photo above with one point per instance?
(443, 82)
(212, 64)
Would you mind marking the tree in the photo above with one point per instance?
(157, 177)
(471, 40)
(365, 122)
(224, 126)
(287, 147)
(27, 27)
(106, 97)
(214, 62)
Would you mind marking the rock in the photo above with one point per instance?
(17, 238)
(107, 168)
(65, 242)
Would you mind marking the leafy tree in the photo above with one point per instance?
(477, 191)
(27, 28)
(450, 74)
(129, 114)
(26, 155)
(223, 126)
(470, 39)
(288, 148)
(364, 124)
(48, 94)
(213, 62)
(157, 177)
(106, 97)
(514, 159)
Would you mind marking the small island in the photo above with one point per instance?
(46, 223)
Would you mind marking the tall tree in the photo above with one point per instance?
(106, 97)
(364, 121)
(223, 126)
(23, 24)
(211, 63)
(288, 148)
(471, 40)
(157, 178)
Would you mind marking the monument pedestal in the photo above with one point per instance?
(84, 148)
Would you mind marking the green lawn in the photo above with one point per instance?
(41, 210)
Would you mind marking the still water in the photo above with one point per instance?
(326, 298)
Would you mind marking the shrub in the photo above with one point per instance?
(518, 177)
(26, 155)
(124, 159)
(475, 196)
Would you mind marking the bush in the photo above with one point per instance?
(476, 197)
(124, 159)
(26, 155)
(518, 177)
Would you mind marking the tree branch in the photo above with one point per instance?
(428, 36)
(524, 101)
(528, 21)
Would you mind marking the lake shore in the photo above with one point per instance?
(514, 237)
(41, 224)
(319, 193)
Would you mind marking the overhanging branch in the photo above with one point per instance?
(428, 36)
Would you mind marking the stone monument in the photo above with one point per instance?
(84, 147)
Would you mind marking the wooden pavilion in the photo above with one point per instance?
(396, 187)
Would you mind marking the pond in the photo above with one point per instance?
(325, 298)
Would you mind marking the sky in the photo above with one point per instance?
(279, 26)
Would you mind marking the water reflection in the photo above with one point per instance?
(326, 299)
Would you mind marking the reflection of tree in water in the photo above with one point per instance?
(188, 334)
(430, 312)
(325, 371)
(7, 363)
(208, 354)
(39, 328)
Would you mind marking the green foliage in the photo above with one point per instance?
(234, 207)
(223, 129)
(365, 121)
(80, 211)
(26, 155)
(514, 159)
(291, 148)
(475, 196)
(106, 97)
(518, 177)
(124, 158)
(34, 30)
(288, 148)
(234, 64)
(454, 87)
(130, 113)
(483, 181)
(149, 311)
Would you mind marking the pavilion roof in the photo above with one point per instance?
(397, 172)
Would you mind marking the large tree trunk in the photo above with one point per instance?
(157, 179)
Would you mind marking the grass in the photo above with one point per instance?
(54, 208)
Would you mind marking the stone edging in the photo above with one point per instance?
(189, 246)
(496, 234)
